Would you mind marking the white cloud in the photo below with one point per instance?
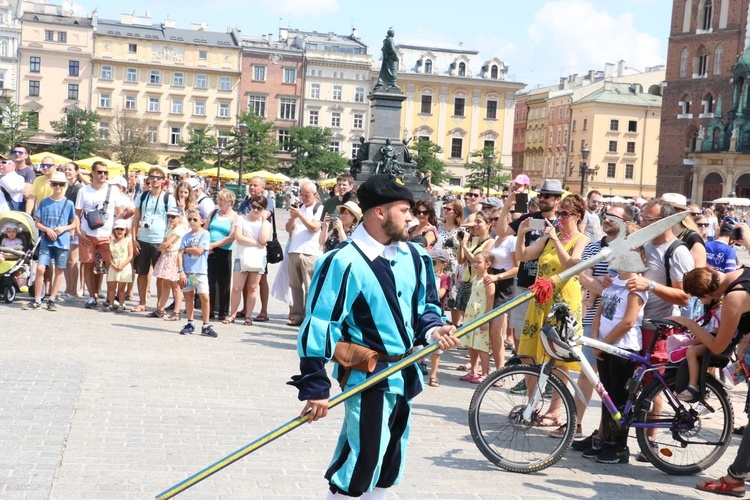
(302, 7)
(576, 36)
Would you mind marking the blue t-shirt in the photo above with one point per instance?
(193, 264)
(721, 256)
(53, 214)
(154, 215)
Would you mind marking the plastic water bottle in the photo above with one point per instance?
(738, 371)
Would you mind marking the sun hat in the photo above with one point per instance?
(58, 176)
(121, 224)
(522, 179)
(353, 208)
(677, 200)
(119, 181)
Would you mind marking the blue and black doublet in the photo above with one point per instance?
(384, 298)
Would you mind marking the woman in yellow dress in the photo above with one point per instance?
(556, 251)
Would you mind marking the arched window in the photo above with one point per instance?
(428, 66)
(718, 54)
(493, 71)
(708, 104)
(702, 62)
(461, 69)
(707, 15)
(687, 14)
(684, 62)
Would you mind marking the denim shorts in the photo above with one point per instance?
(53, 254)
(588, 352)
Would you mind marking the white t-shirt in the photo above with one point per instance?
(13, 184)
(90, 199)
(680, 263)
(251, 255)
(502, 253)
(205, 206)
(302, 240)
(711, 230)
(614, 304)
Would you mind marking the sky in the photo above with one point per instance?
(539, 40)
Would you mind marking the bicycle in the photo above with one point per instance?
(690, 436)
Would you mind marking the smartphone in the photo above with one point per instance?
(522, 203)
(537, 224)
(333, 215)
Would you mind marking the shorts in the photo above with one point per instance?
(87, 250)
(518, 313)
(53, 254)
(197, 283)
(146, 258)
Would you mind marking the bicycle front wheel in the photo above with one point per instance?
(684, 449)
(499, 429)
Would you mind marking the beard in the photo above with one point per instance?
(393, 231)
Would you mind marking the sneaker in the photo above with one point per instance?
(592, 452)
(614, 455)
(91, 303)
(640, 457)
(188, 329)
(31, 305)
(51, 306)
(703, 410)
(519, 388)
(593, 441)
(106, 306)
(560, 432)
(208, 331)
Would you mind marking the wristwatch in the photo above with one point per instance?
(651, 286)
(182, 271)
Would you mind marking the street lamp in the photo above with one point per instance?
(241, 131)
(488, 162)
(585, 169)
(219, 150)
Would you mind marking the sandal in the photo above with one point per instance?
(722, 487)
(689, 395)
(155, 314)
(468, 377)
(548, 421)
(499, 383)
(261, 318)
(138, 309)
(464, 367)
(248, 322)
(434, 382)
(228, 320)
(172, 317)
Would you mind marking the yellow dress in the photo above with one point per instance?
(568, 292)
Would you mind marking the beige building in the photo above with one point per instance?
(54, 68)
(173, 78)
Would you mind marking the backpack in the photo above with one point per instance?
(668, 257)
(146, 194)
(14, 205)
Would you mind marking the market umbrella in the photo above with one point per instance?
(144, 167)
(114, 167)
(729, 200)
(213, 173)
(60, 160)
(265, 174)
(327, 183)
(181, 171)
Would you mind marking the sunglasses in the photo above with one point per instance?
(155, 178)
(615, 216)
(102, 172)
(447, 209)
(173, 216)
(596, 202)
(422, 212)
(702, 224)
(119, 229)
(547, 195)
(193, 219)
(17, 152)
(257, 207)
(58, 184)
(494, 219)
(473, 195)
(695, 214)
(563, 215)
(46, 165)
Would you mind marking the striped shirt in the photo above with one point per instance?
(599, 269)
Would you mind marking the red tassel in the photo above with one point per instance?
(542, 290)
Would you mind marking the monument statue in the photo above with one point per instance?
(407, 153)
(362, 154)
(388, 164)
(389, 66)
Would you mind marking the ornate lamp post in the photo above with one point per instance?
(488, 165)
(241, 138)
(585, 169)
(219, 150)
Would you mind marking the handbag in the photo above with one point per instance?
(274, 252)
(95, 218)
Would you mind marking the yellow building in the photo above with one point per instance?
(458, 102)
(536, 135)
(173, 78)
(618, 125)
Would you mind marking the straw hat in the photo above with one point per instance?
(353, 208)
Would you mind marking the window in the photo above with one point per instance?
(200, 108)
(155, 77)
(707, 15)
(284, 140)
(312, 118)
(456, 147)
(105, 100)
(152, 133)
(559, 114)
(314, 91)
(223, 110)
(202, 55)
(632, 126)
(177, 106)
(355, 149)
(132, 48)
(73, 91)
(106, 73)
(428, 66)
(225, 83)
(611, 170)
(257, 104)
(49, 36)
(259, 73)
(702, 62)
(335, 146)
(718, 56)
(426, 108)
(489, 144)
(178, 79)
(4, 47)
(290, 75)
(62, 36)
(461, 69)
(153, 104)
(458, 106)
(708, 104)
(104, 131)
(287, 108)
(359, 94)
(33, 87)
(73, 68)
(131, 75)
(631, 147)
(201, 82)
(629, 171)
(612, 146)
(491, 110)
(222, 139)
(33, 121)
(336, 119)
(585, 124)
(337, 91)
(35, 64)
(174, 136)
(2, 79)
(614, 125)
(130, 102)
(359, 121)
(493, 71)
(684, 62)
(573, 128)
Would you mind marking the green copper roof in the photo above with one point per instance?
(621, 93)
(743, 62)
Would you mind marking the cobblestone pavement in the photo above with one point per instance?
(98, 405)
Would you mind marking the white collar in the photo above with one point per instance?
(373, 248)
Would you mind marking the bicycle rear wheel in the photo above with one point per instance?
(708, 438)
(498, 428)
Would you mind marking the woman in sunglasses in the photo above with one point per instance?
(424, 212)
(448, 240)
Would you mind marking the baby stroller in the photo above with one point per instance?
(17, 276)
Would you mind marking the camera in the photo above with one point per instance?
(736, 233)
(461, 234)
(294, 205)
(146, 225)
(333, 216)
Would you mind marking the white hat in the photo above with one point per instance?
(353, 208)
(677, 200)
(58, 176)
(121, 224)
(118, 181)
(194, 183)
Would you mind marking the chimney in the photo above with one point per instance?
(270, 37)
(562, 82)
(170, 23)
(620, 67)
(283, 34)
(609, 70)
(591, 75)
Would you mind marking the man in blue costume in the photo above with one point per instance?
(378, 291)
